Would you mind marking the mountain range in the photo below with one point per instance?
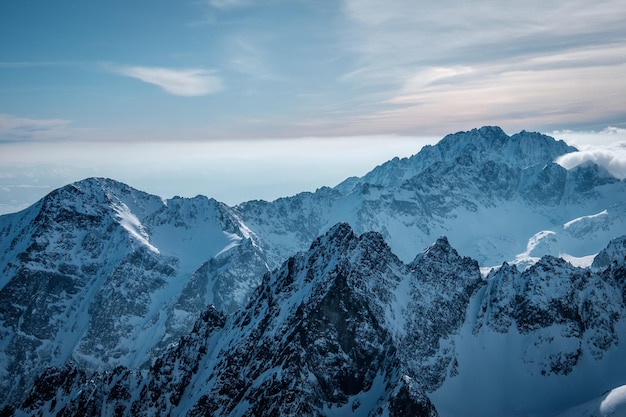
(117, 302)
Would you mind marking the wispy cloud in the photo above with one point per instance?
(251, 58)
(229, 4)
(523, 65)
(453, 31)
(181, 82)
(14, 128)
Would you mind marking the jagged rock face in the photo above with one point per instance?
(102, 274)
(225, 281)
(68, 250)
(314, 340)
(612, 255)
(346, 328)
(553, 333)
(324, 312)
(171, 375)
(437, 308)
(585, 306)
(489, 143)
(70, 391)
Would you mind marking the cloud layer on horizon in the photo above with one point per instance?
(230, 171)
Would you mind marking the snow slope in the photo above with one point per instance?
(611, 404)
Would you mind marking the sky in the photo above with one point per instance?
(246, 99)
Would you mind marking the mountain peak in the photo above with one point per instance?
(441, 249)
(523, 149)
(346, 327)
(491, 131)
(454, 270)
(442, 241)
(100, 187)
(474, 147)
(337, 235)
(612, 254)
(92, 195)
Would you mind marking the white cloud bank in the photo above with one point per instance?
(606, 148)
(181, 82)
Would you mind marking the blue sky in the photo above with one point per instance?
(83, 82)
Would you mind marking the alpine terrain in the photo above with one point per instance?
(351, 300)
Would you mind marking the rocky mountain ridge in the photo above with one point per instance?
(346, 328)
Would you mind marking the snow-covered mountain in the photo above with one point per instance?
(103, 274)
(346, 328)
(108, 277)
(540, 341)
(496, 197)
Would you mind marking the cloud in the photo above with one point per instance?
(14, 128)
(597, 148)
(13, 123)
(181, 82)
(518, 95)
(229, 4)
(15, 131)
(453, 31)
(456, 64)
(590, 139)
(612, 158)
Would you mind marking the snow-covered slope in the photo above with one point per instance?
(611, 404)
(538, 341)
(346, 328)
(103, 274)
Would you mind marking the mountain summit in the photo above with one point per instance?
(496, 197)
(489, 143)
